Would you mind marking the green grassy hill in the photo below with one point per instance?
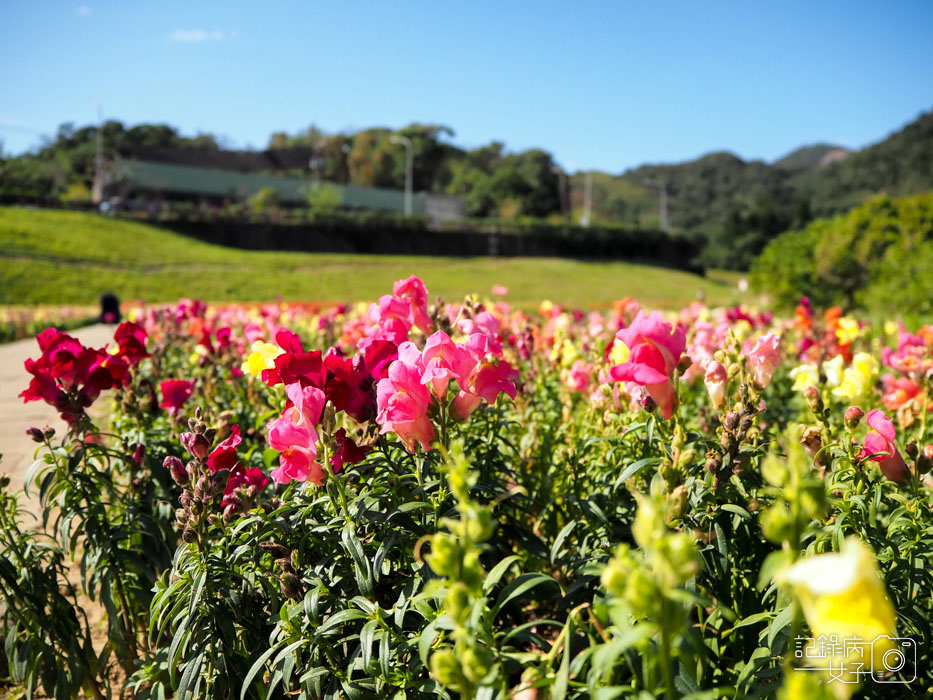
(72, 258)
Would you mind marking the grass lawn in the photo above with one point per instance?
(72, 258)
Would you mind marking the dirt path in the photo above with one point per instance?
(15, 416)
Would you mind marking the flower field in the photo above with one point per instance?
(413, 499)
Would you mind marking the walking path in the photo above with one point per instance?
(16, 447)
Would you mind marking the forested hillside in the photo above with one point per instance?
(734, 206)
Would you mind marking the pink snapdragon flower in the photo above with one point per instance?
(486, 324)
(655, 348)
(402, 401)
(715, 380)
(487, 381)
(443, 360)
(764, 358)
(579, 375)
(413, 291)
(882, 441)
(294, 435)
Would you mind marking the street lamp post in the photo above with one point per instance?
(409, 155)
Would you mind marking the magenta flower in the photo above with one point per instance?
(131, 342)
(413, 291)
(402, 403)
(655, 348)
(444, 360)
(175, 392)
(764, 358)
(881, 444)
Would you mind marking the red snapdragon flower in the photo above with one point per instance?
(175, 393)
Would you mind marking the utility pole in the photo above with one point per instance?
(587, 200)
(409, 155)
(97, 196)
(662, 201)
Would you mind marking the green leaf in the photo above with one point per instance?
(493, 577)
(519, 586)
(559, 540)
(633, 469)
(338, 619)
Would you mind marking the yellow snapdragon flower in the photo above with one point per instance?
(805, 375)
(833, 370)
(858, 379)
(842, 594)
(262, 357)
(847, 330)
(619, 353)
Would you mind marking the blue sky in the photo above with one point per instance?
(606, 85)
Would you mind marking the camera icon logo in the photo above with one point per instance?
(896, 661)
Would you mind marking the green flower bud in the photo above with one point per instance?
(445, 553)
(615, 575)
(478, 523)
(476, 663)
(457, 603)
(641, 592)
(678, 553)
(677, 503)
(445, 668)
(777, 524)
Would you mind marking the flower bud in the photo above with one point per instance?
(219, 481)
(36, 434)
(912, 450)
(445, 667)
(730, 421)
(49, 433)
(139, 454)
(189, 535)
(925, 459)
(677, 503)
(444, 555)
(713, 461)
(853, 417)
(812, 441)
(475, 662)
(457, 603)
(276, 550)
(814, 400)
(291, 586)
(285, 564)
(197, 445)
(177, 470)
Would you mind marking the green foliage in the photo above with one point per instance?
(264, 200)
(324, 199)
(877, 256)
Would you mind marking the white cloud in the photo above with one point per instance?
(83, 10)
(198, 36)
